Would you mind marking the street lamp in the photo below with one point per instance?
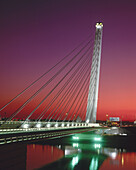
(106, 118)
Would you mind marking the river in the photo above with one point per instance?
(87, 151)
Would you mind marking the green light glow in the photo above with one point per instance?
(75, 145)
(75, 137)
(97, 146)
(75, 161)
(94, 164)
(97, 139)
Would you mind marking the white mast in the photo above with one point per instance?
(94, 78)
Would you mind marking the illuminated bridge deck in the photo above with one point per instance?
(30, 132)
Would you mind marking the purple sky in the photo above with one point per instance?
(35, 34)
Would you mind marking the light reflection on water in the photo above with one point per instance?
(40, 155)
(89, 156)
(84, 152)
(121, 161)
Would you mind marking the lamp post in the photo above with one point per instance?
(106, 118)
(121, 120)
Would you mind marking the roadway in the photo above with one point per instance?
(9, 133)
(38, 134)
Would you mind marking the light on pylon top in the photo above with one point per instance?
(99, 25)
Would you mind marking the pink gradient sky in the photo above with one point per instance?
(36, 34)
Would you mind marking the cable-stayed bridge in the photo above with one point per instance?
(64, 97)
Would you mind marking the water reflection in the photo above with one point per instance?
(75, 160)
(94, 164)
(94, 157)
(40, 155)
(67, 154)
(121, 161)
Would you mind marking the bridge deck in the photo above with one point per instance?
(18, 131)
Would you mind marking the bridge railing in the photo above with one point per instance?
(48, 125)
